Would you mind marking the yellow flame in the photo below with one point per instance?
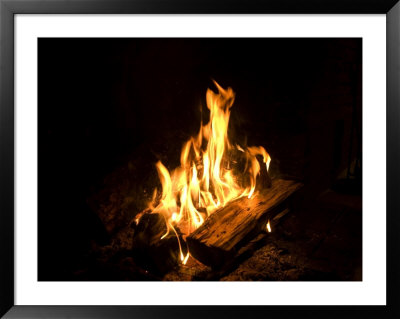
(205, 180)
(184, 261)
(269, 227)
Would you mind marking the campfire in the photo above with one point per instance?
(217, 177)
(147, 170)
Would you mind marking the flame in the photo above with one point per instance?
(269, 227)
(184, 260)
(205, 179)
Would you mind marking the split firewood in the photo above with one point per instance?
(219, 239)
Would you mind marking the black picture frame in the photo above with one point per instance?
(8, 10)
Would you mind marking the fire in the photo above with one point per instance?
(269, 227)
(209, 175)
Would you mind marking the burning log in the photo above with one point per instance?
(213, 171)
(222, 235)
(216, 177)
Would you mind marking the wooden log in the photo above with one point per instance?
(197, 271)
(220, 238)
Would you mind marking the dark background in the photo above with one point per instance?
(106, 102)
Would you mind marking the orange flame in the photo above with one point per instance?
(205, 180)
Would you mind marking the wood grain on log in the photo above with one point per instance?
(226, 230)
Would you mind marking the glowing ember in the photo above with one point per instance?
(207, 178)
